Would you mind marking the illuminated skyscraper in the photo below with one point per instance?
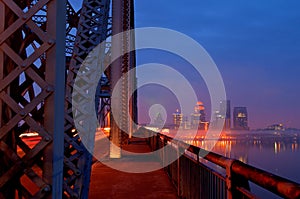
(159, 121)
(198, 120)
(226, 113)
(177, 119)
(240, 118)
(223, 115)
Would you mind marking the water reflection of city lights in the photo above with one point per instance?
(278, 147)
(295, 147)
(238, 145)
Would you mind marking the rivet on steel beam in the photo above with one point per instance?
(49, 89)
(77, 173)
(47, 188)
(47, 139)
(24, 17)
(51, 41)
(22, 113)
(23, 65)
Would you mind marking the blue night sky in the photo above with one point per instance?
(255, 44)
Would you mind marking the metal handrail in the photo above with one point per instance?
(235, 168)
(271, 182)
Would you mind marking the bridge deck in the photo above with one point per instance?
(110, 183)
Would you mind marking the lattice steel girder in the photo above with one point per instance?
(91, 30)
(32, 66)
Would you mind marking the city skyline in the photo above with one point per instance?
(235, 118)
(255, 45)
(239, 118)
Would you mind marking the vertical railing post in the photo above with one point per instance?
(164, 152)
(150, 141)
(229, 176)
(197, 185)
(157, 141)
(178, 170)
(233, 179)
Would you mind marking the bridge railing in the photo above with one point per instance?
(194, 177)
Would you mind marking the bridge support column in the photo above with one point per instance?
(116, 74)
(121, 127)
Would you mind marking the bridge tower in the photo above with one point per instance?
(42, 45)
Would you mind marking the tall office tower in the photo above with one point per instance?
(186, 123)
(225, 112)
(198, 117)
(177, 119)
(159, 121)
(240, 118)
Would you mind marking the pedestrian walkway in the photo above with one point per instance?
(109, 183)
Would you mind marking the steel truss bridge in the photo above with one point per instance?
(42, 45)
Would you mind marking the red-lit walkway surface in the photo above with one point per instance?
(109, 183)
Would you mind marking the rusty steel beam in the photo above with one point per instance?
(276, 184)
